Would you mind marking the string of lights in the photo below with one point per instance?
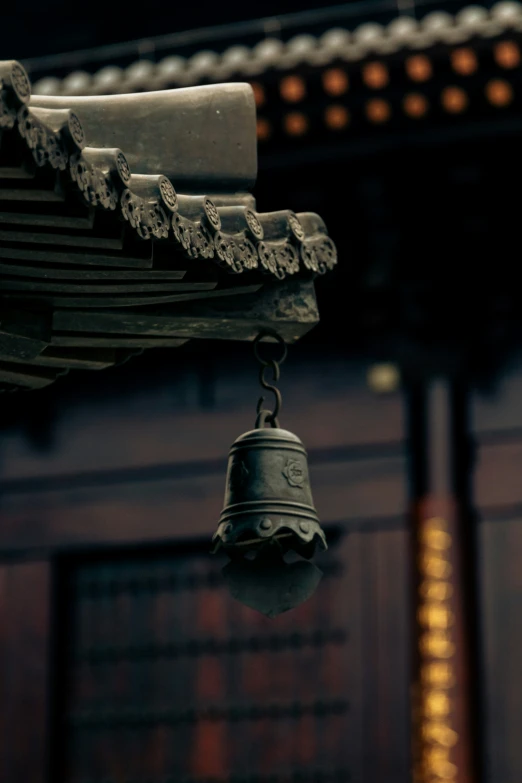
(441, 85)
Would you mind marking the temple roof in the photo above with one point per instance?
(127, 222)
(338, 43)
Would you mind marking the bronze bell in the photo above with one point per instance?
(269, 512)
(268, 495)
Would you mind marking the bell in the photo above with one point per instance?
(268, 497)
(269, 512)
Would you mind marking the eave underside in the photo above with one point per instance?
(98, 261)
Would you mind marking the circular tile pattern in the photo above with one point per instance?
(168, 193)
(123, 167)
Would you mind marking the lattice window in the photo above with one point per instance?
(169, 680)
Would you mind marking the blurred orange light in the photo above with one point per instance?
(507, 54)
(336, 117)
(292, 89)
(464, 61)
(415, 105)
(296, 124)
(264, 131)
(375, 75)
(499, 92)
(335, 81)
(419, 68)
(378, 111)
(454, 100)
(259, 93)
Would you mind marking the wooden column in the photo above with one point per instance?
(444, 713)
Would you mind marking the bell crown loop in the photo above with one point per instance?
(264, 416)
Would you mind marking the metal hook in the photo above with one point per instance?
(270, 416)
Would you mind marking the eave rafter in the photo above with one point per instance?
(126, 221)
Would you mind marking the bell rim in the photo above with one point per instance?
(232, 528)
(233, 518)
(230, 540)
(279, 507)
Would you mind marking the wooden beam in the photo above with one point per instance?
(290, 308)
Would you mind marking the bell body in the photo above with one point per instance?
(268, 495)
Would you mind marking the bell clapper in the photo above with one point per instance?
(268, 510)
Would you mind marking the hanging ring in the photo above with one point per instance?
(278, 339)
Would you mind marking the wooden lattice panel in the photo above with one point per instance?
(169, 679)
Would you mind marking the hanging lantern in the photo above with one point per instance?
(269, 511)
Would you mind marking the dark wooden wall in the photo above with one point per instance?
(24, 670)
(147, 468)
(498, 422)
(128, 482)
(170, 676)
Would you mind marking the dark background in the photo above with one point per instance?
(111, 483)
(34, 29)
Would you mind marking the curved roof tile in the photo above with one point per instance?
(106, 202)
(241, 61)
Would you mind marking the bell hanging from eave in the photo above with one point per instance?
(268, 496)
(269, 513)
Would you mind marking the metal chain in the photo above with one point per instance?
(264, 415)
